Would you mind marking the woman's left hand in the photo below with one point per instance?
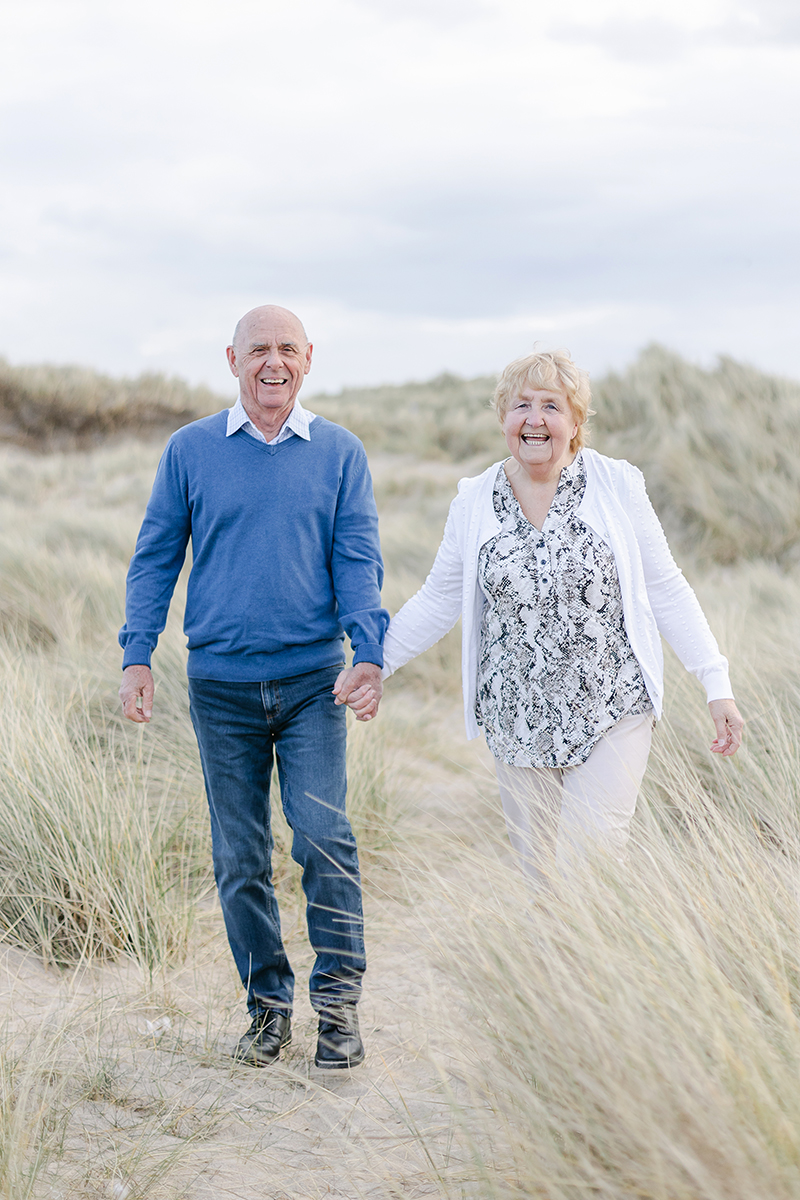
(729, 726)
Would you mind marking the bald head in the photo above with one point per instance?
(270, 355)
(267, 316)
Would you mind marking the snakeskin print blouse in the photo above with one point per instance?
(556, 670)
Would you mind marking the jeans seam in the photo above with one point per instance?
(271, 703)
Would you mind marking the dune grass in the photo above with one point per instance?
(635, 1036)
(48, 407)
(96, 857)
(636, 1032)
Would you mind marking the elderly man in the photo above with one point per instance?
(279, 507)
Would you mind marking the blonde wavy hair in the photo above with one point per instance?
(552, 371)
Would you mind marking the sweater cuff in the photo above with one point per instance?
(137, 654)
(369, 652)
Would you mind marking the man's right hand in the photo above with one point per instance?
(136, 693)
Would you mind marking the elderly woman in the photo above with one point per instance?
(558, 565)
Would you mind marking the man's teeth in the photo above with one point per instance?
(276, 382)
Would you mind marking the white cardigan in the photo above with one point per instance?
(655, 596)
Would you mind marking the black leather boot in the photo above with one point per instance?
(339, 1043)
(271, 1029)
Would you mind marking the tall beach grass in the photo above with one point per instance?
(635, 1036)
(635, 1032)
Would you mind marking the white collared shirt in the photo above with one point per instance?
(298, 421)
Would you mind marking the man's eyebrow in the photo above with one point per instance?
(266, 345)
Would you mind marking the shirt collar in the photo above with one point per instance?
(298, 420)
(573, 471)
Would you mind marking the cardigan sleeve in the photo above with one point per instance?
(677, 610)
(434, 609)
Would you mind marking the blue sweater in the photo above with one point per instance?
(285, 550)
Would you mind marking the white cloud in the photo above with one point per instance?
(434, 171)
(530, 325)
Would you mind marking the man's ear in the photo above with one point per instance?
(309, 352)
(231, 353)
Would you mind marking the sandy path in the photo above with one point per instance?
(170, 1098)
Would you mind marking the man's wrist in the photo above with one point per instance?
(137, 654)
(368, 652)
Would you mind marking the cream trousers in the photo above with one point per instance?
(558, 817)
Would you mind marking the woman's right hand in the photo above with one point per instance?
(729, 725)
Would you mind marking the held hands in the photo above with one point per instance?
(136, 693)
(361, 688)
(729, 726)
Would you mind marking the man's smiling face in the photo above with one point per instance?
(270, 356)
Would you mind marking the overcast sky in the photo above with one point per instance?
(430, 184)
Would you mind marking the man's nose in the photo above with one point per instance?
(273, 356)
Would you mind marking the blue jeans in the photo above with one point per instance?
(237, 727)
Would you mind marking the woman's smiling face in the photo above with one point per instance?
(538, 429)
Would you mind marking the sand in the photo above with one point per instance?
(151, 1103)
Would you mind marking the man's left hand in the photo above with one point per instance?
(361, 688)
